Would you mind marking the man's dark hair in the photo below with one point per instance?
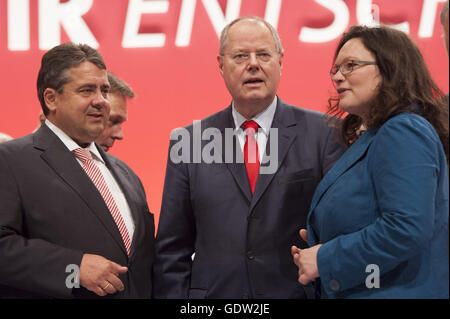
(56, 63)
(120, 87)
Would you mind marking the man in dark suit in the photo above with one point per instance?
(74, 220)
(226, 226)
(118, 96)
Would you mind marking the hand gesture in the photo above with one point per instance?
(306, 260)
(100, 275)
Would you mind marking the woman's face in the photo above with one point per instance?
(359, 87)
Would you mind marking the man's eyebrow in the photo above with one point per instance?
(94, 86)
(238, 51)
(246, 50)
(116, 118)
(88, 85)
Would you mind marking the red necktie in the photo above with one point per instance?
(94, 173)
(251, 154)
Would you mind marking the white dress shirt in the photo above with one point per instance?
(264, 120)
(113, 186)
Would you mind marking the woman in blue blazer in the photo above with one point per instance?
(378, 223)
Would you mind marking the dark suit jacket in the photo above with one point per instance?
(241, 242)
(51, 214)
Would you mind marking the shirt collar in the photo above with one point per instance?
(264, 119)
(70, 143)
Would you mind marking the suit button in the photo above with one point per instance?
(250, 255)
(334, 285)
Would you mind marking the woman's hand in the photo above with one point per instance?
(306, 260)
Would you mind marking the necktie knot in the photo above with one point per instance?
(82, 154)
(250, 125)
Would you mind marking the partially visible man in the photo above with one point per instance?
(4, 137)
(74, 220)
(240, 217)
(118, 94)
(42, 119)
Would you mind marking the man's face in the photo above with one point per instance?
(82, 109)
(118, 115)
(251, 65)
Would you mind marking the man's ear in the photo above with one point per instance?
(50, 98)
(220, 62)
(281, 61)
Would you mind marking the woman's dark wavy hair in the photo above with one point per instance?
(406, 81)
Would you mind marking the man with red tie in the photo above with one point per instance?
(226, 227)
(74, 220)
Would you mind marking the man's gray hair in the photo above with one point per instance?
(273, 31)
(119, 86)
(444, 13)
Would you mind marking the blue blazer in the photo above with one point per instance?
(385, 203)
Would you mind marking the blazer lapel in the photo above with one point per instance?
(237, 167)
(284, 123)
(123, 179)
(66, 166)
(348, 159)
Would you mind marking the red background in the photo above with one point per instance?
(176, 85)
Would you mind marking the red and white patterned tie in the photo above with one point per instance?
(94, 173)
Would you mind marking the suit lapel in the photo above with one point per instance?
(123, 179)
(240, 176)
(348, 159)
(66, 166)
(237, 167)
(284, 123)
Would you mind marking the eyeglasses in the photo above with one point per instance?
(244, 57)
(348, 66)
